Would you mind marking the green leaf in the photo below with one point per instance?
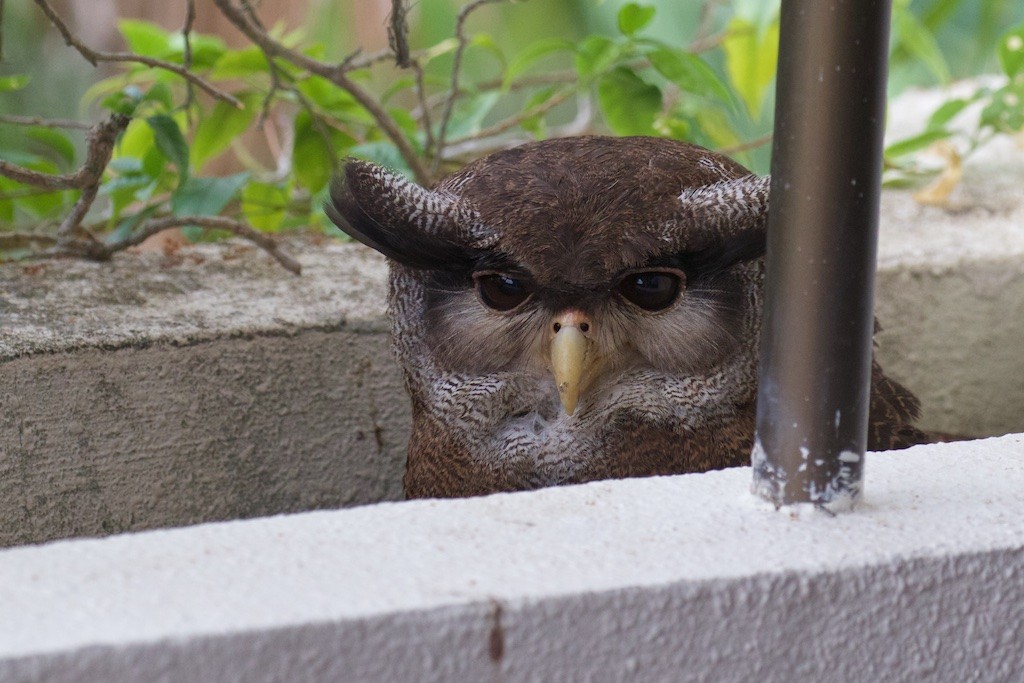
(171, 142)
(159, 93)
(946, 112)
(333, 99)
(486, 42)
(264, 205)
(216, 132)
(240, 63)
(125, 101)
(915, 143)
(396, 86)
(313, 156)
(206, 196)
(750, 61)
(633, 17)
(630, 105)
(38, 204)
(535, 124)
(56, 140)
(135, 143)
(123, 190)
(690, 73)
(444, 47)
(405, 120)
(469, 114)
(714, 130)
(1005, 112)
(1011, 51)
(594, 56)
(6, 204)
(16, 82)
(672, 127)
(145, 38)
(125, 165)
(206, 49)
(533, 53)
(919, 41)
(125, 228)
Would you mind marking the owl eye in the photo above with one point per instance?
(652, 290)
(500, 291)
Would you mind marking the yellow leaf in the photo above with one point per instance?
(750, 61)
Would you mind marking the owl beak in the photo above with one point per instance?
(571, 356)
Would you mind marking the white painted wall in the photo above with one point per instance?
(675, 578)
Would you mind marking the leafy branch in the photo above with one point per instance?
(275, 116)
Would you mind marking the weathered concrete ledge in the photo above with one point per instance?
(214, 385)
(158, 391)
(668, 579)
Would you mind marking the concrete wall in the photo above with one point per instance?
(148, 393)
(155, 392)
(103, 441)
(665, 579)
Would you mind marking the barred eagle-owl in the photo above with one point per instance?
(578, 309)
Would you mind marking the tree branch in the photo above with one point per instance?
(398, 33)
(156, 225)
(97, 251)
(95, 56)
(186, 34)
(513, 121)
(744, 146)
(460, 36)
(45, 123)
(335, 74)
(100, 147)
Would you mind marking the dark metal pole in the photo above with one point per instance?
(814, 389)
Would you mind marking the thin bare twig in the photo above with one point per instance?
(155, 225)
(398, 33)
(464, 152)
(357, 60)
(186, 34)
(95, 56)
(336, 75)
(745, 146)
(275, 73)
(98, 251)
(460, 36)
(25, 240)
(513, 121)
(45, 123)
(421, 95)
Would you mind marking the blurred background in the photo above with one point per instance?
(698, 71)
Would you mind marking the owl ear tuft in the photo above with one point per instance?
(416, 227)
(722, 210)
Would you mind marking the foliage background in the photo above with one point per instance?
(699, 71)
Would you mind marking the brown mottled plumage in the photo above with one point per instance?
(578, 309)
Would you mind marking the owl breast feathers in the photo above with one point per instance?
(578, 309)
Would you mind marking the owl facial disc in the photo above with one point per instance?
(573, 357)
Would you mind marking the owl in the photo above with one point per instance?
(578, 309)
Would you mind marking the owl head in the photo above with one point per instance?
(551, 299)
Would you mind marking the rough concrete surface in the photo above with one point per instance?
(659, 579)
(153, 392)
(950, 286)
